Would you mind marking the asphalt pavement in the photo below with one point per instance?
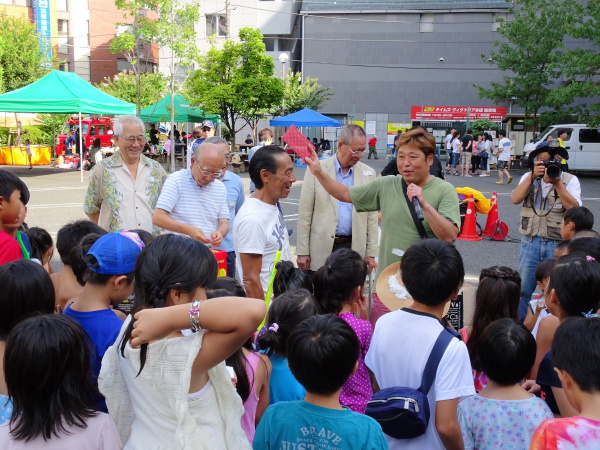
(57, 198)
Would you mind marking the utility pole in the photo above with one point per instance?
(228, 18)
(136, 63)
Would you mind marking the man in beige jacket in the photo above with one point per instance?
(326, 224)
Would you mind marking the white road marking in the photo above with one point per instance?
(57, 205)
(58, 188)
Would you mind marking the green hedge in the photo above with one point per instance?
(35, 134)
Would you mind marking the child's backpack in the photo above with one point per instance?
(403, 412)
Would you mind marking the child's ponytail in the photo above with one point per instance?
(285, 313)
(335, 282)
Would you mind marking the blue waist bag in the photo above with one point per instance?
(403, 412)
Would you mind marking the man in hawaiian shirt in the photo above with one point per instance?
(123, 189)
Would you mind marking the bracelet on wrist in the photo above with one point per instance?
(194, 313)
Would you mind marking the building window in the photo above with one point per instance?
(269, 44)
(124, 28)
(64, 66)
(216, 24)
(426, 23)
(63, 32)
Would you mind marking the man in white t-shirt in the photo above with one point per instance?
(504, 153)
(259, 229)
(448, 142)
(432, 272)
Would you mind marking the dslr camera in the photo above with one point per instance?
(553, 164)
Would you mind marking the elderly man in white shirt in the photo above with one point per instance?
(124, 188)
(193, 201)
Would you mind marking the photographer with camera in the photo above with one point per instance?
(545, 193)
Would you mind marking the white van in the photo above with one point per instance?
(582, 143)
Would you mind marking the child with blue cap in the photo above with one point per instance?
(108, 281)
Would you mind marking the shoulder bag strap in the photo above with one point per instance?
(411, 208)
(435, 357)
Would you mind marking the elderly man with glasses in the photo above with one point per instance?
(326, 224)
(193, 201)
(124, 188)
(235, 199)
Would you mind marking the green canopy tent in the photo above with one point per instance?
(184, 112)
(63, 93)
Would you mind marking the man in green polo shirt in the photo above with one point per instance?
(437, 198)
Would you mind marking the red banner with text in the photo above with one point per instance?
(458, 113)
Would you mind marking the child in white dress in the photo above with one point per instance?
(170, 389)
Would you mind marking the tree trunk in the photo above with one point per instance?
(19, 128)
(231, 126)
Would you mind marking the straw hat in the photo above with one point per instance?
(389, 298)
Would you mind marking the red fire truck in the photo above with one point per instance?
(101, 127)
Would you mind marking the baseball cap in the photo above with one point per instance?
(208, 123)
(116, 253)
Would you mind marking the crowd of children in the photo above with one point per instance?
(191, 366)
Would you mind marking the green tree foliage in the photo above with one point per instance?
(22, 60)
(581, 69)
(299, 94)
(153, 87)
(51, 126)
(236, 82)
(481, 125)
(530, 54)
(173, 29)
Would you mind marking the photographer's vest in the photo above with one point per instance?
(544, 220)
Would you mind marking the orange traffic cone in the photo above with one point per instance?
(469, 229)
(492, 218)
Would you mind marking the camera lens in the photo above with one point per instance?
(553, 171)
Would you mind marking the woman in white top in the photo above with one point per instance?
(165, 386)
(485, 151)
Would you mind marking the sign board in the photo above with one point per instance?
(392, 130)
(371, 127)
(457, 113)
(41, 17)
(360, 123)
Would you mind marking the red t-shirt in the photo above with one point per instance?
(10, 250)
(372, 142)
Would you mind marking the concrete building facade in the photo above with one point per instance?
(278, 20)
(397, 54)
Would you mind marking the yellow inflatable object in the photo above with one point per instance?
(482, 205)
(17, 156)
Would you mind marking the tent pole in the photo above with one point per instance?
(81, 150)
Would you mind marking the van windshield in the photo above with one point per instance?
(543, 133)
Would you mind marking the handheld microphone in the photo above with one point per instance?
(418, 210)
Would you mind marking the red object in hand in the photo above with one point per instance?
(298, 142)
(221, 256)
